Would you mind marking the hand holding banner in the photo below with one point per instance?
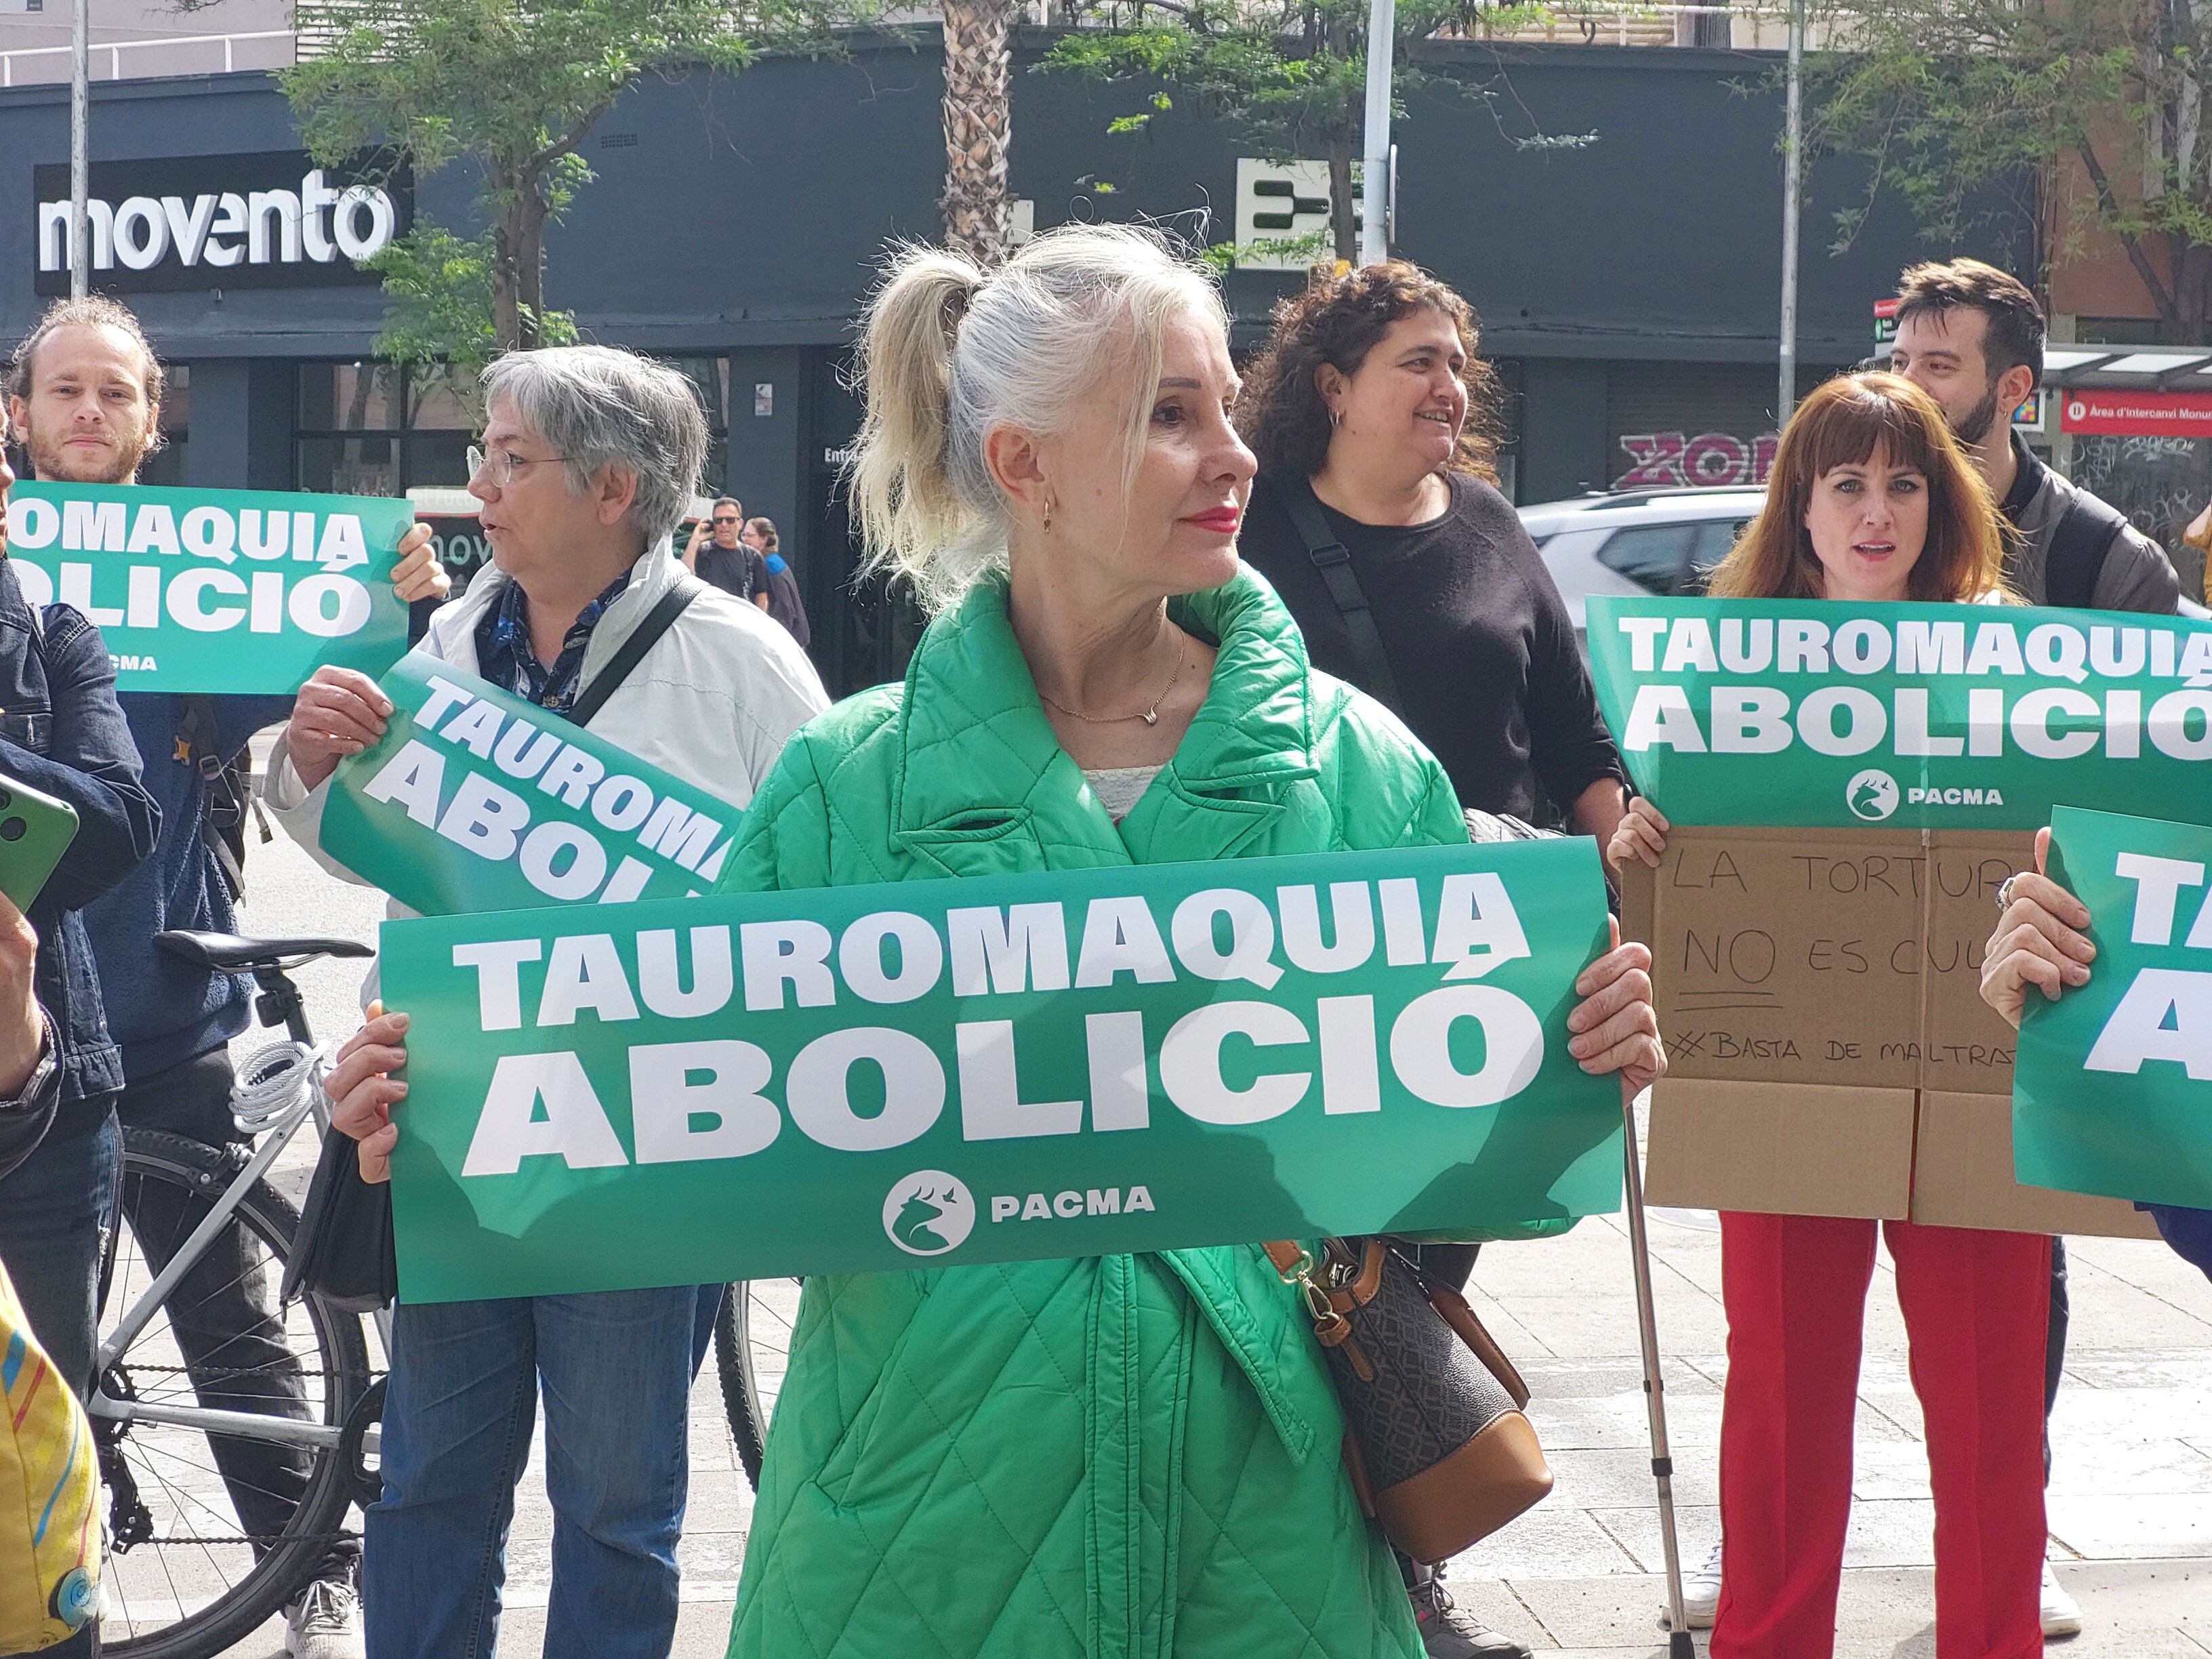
(2113, 1089)
(1076, 1063)
(218, 591)
(1802, 712)
(474, 800)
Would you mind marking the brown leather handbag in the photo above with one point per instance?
(1439, 1451)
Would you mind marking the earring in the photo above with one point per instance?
(1047, 518)
(1335, 417)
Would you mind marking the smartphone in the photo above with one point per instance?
(36, 831)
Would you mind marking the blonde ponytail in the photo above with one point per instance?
(949, 353)
(902, 493)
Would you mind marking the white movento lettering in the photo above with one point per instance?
(541, 1106)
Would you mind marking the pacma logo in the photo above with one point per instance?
(1664, 458)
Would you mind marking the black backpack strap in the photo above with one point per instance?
(2082, 537)
(631, 652)
(1332, 561)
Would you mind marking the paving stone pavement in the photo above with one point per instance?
(1578, 1579)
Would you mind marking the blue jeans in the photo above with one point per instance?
(616, 1370)
(55, 1212)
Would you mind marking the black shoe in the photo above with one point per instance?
(1448, 1633)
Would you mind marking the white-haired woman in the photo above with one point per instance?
(590, 454)
(1125, 1454)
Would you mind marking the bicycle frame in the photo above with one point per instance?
(248, 1425)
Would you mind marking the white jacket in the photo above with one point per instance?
(711, 703)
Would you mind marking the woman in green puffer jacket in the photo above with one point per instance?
(1123, 1458)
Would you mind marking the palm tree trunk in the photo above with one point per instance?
(978, 126)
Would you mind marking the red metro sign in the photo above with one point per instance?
(2137, 414)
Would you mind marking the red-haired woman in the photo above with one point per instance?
(1871, 501)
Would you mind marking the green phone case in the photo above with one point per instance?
(36, 831)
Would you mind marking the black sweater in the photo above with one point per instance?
(1489, 674)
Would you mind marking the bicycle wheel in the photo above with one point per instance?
(211, 1534)
(752, 1347)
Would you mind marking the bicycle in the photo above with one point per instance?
(752, 1347)
(177, 1413)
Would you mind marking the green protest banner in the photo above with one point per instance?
(1072, 1063)
(216, 590)
(1915, 716)
(474, 800)
(2112, 1089)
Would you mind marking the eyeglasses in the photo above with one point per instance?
(726, 521)
(504, 464)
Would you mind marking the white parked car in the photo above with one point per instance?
(1650, 541)
(1639, 541)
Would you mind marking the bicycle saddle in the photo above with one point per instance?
(229, 953)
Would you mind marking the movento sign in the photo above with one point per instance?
(272, 219)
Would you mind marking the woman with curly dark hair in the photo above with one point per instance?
(1372, 420)
(1377, 517)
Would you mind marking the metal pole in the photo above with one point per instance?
(1680, 1642)
(1375, 231)
(1793, 185)
(80, 100)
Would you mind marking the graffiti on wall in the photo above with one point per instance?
(1660, 460)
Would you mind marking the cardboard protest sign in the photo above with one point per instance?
(1828, 1049)
(2114, 1089)
(222, 591)
(1000, 1068)
(475, 799)
(1942, 716)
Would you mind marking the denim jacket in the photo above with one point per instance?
(62, 732)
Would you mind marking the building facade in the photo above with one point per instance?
(1628, 283)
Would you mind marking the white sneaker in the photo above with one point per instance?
(1701, 1594)
(2061, 1616)
(324, 1623)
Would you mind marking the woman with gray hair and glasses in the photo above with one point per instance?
(590, 456)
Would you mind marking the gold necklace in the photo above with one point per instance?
(1150, 716)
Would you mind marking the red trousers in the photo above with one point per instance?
(1976, 1311)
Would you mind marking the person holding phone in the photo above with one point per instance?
(1872, 501)
(718, 553)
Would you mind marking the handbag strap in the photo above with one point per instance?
(1332, 561)
(631, 651)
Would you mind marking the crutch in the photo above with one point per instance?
(1680, 1642)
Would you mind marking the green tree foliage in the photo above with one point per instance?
(514, 85)
(1290, 75)
(2098, 104)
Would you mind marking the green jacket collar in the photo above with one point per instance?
(982, 785)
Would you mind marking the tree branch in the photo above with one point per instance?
(2108, 204)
